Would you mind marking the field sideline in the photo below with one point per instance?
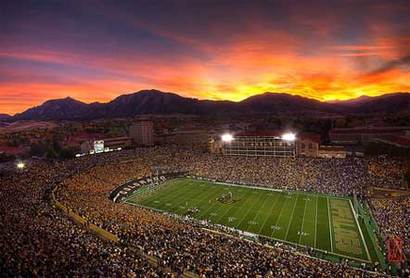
(323, 222)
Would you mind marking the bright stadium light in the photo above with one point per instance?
(289, 136)
(20, 165)
(227, 138)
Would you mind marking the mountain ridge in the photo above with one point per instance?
(158, 102)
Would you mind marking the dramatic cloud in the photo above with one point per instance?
(94, 51)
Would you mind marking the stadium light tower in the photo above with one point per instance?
(289, 136)
(20, 165)
(227, 138)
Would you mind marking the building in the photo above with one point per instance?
(267, 143)
(275, 144)
(197, 138)
(102, 145)
(142, 133)
(307, 145)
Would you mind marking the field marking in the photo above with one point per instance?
(231, 208)
(360, 231)
(164, 187)
(247, 212)
(330, 224)
(192, 192)
(175, 198)
(277, 218)
(278, 197)
(303, 222)
(270, 212)
(209, 193)
(291, 217)
(266, 197)
(210, 208)
(317, 204)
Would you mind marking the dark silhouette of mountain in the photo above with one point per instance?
(157, 102)
(4, 117)
(389, 103)
(153, 102)
(284, 103)
(351, 102)
(56, 109)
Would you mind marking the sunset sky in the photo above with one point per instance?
(97, 50)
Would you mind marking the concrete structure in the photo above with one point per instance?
(332, 152)
(271, 143)
(307, 145)
(142, 133)
(266, 143)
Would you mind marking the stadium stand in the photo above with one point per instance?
(56, 246)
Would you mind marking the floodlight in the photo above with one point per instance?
(227, 137)
(289, 136)
(20, 165)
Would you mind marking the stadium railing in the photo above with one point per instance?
(372, 231)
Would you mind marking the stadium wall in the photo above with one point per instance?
(124, 190)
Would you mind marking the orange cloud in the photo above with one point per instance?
(241, 67)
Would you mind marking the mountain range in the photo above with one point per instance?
(157, 102)
(4, 117)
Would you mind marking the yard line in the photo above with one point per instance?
(205, 193)
(247, 212)
(317, 203)
(291, 217)
(360, 231)
(280, 212)
(260, 210)
(303, 221)
(271, 210)
(330, 224)
(209, 194)
(162, 192)
(189, 189)
(232, 208)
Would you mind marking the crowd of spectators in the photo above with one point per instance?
(37, 239)
(393, 218)
(386, 172)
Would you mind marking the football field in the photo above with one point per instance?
(319, 221)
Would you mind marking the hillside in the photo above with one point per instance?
(157, 102)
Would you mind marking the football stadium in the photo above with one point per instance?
(322, 222)
(178, 212)
(205, 139)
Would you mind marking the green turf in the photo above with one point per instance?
(322, 222)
